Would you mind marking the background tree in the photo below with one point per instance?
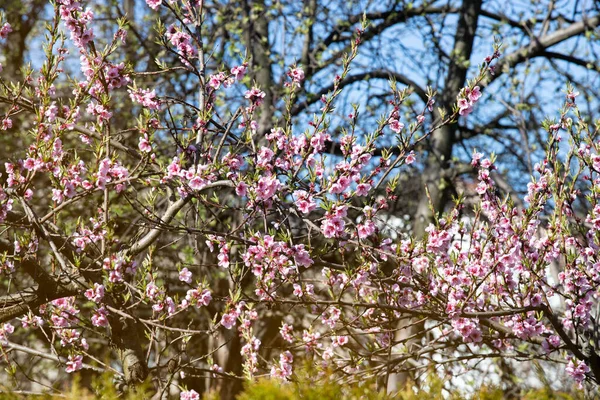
(160, 221)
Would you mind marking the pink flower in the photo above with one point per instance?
(51, 112)
(301, 256)
(430, 104)
(241, 189)
(464, 107)
(75, 363)
(228, 320)
(185, 276)
(475, 158)
(145, 97)
(197, 183)
(223, 256)
(6, 124)
(339, 341)
(474, 94)
(267, 186)
(286, 333)
(297, 74)
(410, 158)
(95, 294)
(99, 318)
(362, 189)
(215, 80)
(255, 95)
(577, 372)
(144, 144)
(189, 395)
(396, 125)
(340, 185)
(5, 30)
(6, 329)
(305, 202)
(154, 4)
(32, 321)
(365, 230)
(328, 229)
(264, 157)
(201, 299)
(152, 291)
(571, 96)
(465, 104)
(238, 72)
(596, 162)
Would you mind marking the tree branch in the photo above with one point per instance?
(376, 74)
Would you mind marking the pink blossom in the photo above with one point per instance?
(5, 30)
(51, 112)
(238, 72)
(286, 332)
(6, 124)
(154, 4)
(100, 317)
(223, 256)
(284, 370)
(215, 80)
(430, 104)
(5, 330)
(145, 97)
(32, 321)
(200, 298)
(304, 202)
(197, 183)
(228, 320)
(144, 144)
(241, 189)
(577, 371)
(96, 293)
(185, 276)
(75, 363)
(366, 229)
(153, 292)
(465, 108)
(571, 96)
(255, 95)
(475, 158)
(596, 162)
(474, 94)
(189, 394)
(297, 290)
(301, 256)
(267, 187)
(297, 74)
(396, 125)
(264, 157)
(362, 189)
(339, 341)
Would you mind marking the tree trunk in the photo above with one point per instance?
(440, 152)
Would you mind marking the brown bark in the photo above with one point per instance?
(442, 140)
(440, 151)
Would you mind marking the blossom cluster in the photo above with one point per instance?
(294, 223)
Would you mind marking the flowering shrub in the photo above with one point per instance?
(293, 232)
